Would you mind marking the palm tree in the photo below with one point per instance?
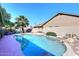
(22, 21)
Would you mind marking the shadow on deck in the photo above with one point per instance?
(10, 47)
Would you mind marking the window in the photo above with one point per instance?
(53, 26)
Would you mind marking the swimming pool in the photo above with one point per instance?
(39, 45)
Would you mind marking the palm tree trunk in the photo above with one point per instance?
(22, 29)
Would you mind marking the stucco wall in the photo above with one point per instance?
(34, 30)
(59, 30)
(62, 30)
(63, 20)
(61, 24)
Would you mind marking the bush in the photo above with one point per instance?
(51, 34)
(9, 31)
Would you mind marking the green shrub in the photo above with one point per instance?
(51, 34)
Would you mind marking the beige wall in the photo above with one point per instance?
(37, 30)
(63, 20)
(67, 24)
(62, 30)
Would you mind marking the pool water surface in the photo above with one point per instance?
(38, 45)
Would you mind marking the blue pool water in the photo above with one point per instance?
(38, 45)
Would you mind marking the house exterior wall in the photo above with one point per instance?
(61, 31)
(61, 25)
(35, 30)
(63, 20)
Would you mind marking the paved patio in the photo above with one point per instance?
(9, 46)
(75, 47)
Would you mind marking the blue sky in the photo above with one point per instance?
(39, 12)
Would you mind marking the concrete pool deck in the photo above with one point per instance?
(10, 47)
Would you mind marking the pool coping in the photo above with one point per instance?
(69, 51)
